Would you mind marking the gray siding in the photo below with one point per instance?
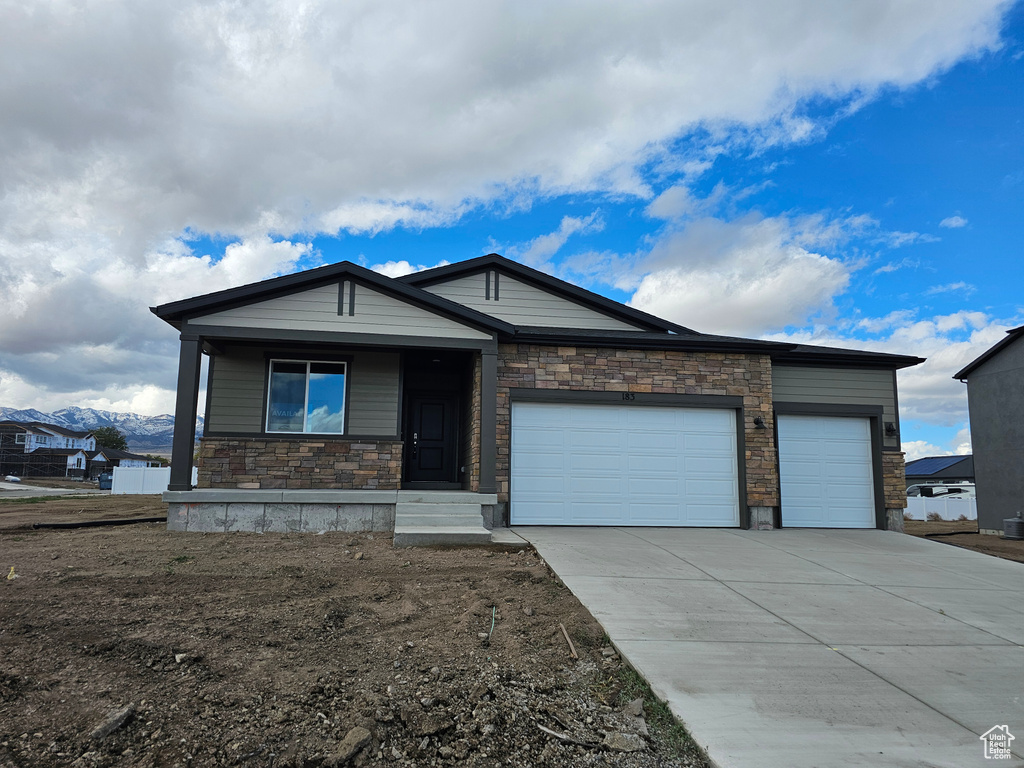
(317, 310)
(373, 393)
(523, 304)
(237, 391)
(842, 386)
(995, 396)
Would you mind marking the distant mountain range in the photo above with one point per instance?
(145, 434)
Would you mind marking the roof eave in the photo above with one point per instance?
(868, 359)
(1011, 335)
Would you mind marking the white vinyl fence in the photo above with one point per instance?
(947, 508)
(137, 480)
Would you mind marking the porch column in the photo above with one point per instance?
(488, 418)
(183, 446)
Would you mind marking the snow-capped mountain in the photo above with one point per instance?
(146, 434)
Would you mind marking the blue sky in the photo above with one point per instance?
(842, 174)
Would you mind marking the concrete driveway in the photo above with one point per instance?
(809, 648)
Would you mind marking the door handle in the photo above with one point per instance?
(415, 443)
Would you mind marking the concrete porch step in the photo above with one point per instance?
(437, 535)
(449, 519)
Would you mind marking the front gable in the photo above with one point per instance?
(347, 306)
(527, 298)
(500, 295)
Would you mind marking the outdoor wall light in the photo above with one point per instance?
(759, 422)
(890, 429)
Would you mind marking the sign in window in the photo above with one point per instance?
(306, 397)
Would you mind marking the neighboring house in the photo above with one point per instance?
(340, 398)
(995, 398)
(34, 449)
(105, 459)
(940, 469)
(32, 435)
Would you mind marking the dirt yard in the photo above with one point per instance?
(964, 533)
(300, 650)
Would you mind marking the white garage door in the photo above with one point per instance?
(623, 465)
(825, 472)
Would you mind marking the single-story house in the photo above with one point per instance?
(105, 459)
(338, 398)
(940, 469)
(995, 400)
(54, 462)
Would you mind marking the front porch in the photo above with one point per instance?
(417, 517)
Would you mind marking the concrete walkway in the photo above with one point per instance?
(809, 648)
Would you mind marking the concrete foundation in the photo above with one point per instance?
(211, 517)
(894, 520)
(762, 518)
(316, 511)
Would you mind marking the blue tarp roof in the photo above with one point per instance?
(932, 464)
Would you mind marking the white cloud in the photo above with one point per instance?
(538, 251)
(400, 268)
(967, 288)
(125, 127)
(744, 276)
(893, 266)
(919, 449)
(953, 222)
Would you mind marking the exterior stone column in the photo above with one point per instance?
(894, 488)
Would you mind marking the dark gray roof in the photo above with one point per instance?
(1011, 336)
(815, 355)
(114, 453)
(39, 425)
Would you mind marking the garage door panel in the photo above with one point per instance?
(594, 513)
(641, 487)
(652, 464)
(591, 484)
(594, 462)
(826, 471)
(539, 461)
(625, 465)
(718, 444)
(708, 420)
(652, 440)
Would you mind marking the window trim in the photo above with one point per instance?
(308, 361)
(21, 438)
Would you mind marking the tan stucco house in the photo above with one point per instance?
(486, 393)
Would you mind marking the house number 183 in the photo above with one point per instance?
(628, 396)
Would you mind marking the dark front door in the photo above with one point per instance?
(431, 439)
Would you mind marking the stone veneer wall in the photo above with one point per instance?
(274, 463)
(647, 371)
(471, 430)
(894, 480)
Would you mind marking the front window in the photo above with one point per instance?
(306, 397)
(19, 439)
